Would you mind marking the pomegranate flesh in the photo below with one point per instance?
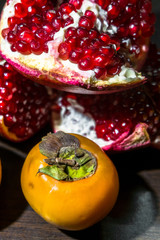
(80, 46)
(117, 121)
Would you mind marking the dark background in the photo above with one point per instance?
(136, 214)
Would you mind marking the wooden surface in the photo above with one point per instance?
(136, 214)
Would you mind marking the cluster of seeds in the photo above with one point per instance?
(36, 21)
(24, 104)
(119, 113)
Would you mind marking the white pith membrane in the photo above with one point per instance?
(50, 64)
(73, 118)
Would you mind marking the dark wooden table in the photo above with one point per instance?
(136, 214)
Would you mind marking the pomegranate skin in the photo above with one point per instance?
(65, 78)
(118, 121)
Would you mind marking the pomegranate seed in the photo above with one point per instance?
(11, 37)
(93, 33)
(96, 43)
(23, 47)
(12, 21)
(5, 32)
(123, 3)
(75, 55)
(85, 63)
(47, 27)
(28, 2)
(32, 10)
(20, 10)
(26, 36)
(107, 51)
(36, 19)
(103, 3)
(100, 72)
(113, 11)
(113, 70)
(82, 32)
(56, 23)
(70, 32)
(41, 35)
(99, 60)
(36, 47)
(105, 37)
(91, 15)
(64, 50)
(41, 2)
(77, 3)
(84, 42)
(85, 22)
(67, 8)
(133, 29)
(49, 15)
(67, 21)
(72, 41)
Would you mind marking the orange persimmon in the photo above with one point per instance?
(71, 204)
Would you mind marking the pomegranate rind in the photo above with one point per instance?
(49, 70)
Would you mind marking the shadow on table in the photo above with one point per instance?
(12, 202)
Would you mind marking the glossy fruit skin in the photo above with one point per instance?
(71, 205)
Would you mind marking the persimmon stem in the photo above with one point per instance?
(68, 162)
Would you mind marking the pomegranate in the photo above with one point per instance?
(24, 105)
(80, 46)
(117, 121)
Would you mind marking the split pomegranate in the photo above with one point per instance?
(80, 46)
(117, 121)
(24, 105)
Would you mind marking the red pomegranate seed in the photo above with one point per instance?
(82, 32)
(41, 35)
(23, 47)
(32, 10)
(41, 2)
(85, 63)
(26, 36)
(20, 10)
(56, 23)
(47, 27)
(105, 37)
(122, 31)
(134, 29)
(12, 21)
(113, 70)
(36, 47)
(70, 32)
(77, 3)
(67, 21)
(100, 72)
(91, 15)
(107, 51)
(85, 22)
(84, 42)
(113, 11)
(67, 8)
(34, 27)
(11, 37)
(99, 60)
(75, 55)
(103, 3)
(72, 41)
(5, 32)
(93, 33)
(28, 2)
(88, 51)
(96, 43)
(36, 18)
(123, 3)
(49, 15)
(64, 50)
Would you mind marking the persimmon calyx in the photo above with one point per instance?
(66, 160)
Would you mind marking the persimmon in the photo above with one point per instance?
(69, 181)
